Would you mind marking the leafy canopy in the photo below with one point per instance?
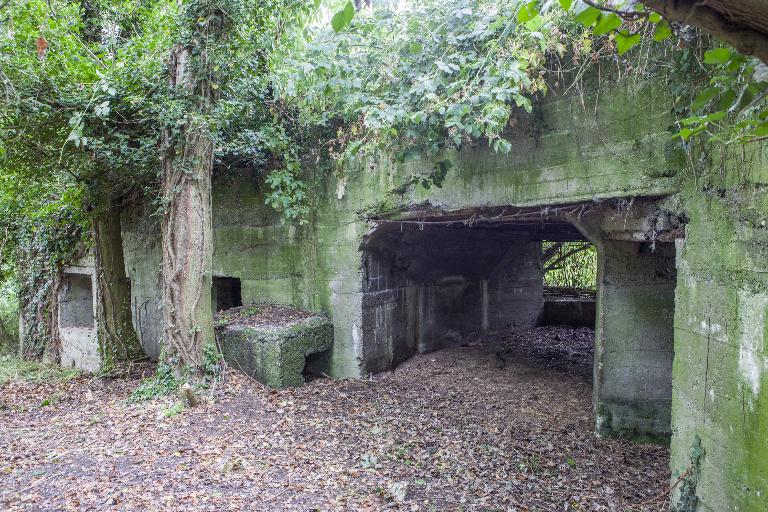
(418, 77)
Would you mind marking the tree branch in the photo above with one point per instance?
(627, 15)
(565, 256)
(745, 39)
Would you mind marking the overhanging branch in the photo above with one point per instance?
(706, 16)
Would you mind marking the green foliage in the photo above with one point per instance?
(48, 233)
(288, 192)
(165, 381)
(9, 309)
(687, 500)
(86, 99)
(733, 107)
(162, 383)
(77, 127)
(15, 369)
(422, 77)
(212, 362)
(570, 265)
(174, 410)
(342, 18)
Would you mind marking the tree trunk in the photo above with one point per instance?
(186, 180)
(52, 350)
(740, 23)
(38, 305)
(118, 341)
(7, 341)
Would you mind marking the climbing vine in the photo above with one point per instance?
(422, 78)
(53, 236)
(687, 500)
(413, 79)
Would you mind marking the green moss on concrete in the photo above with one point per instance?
(611, 145)
(721, 357)
(620, 421)
(275, 356)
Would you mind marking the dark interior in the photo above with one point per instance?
(227, 293)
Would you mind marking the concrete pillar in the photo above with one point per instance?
(516, 289)
(634, 339)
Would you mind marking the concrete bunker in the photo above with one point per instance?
(77, 320)
(436, 279)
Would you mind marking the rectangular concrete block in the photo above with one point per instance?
(275, 356)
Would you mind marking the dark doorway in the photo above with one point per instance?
(227, 293)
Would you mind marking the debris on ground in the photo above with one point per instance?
(445, 431)
(261, 315)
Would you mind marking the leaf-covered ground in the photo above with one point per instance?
(467, 428)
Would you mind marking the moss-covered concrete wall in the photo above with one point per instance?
(634, 339)
(608, 145)
(569, 152)
(274, 355)
(720, 374)
(141, 245)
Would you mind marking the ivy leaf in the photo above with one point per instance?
(588, 16)
(714, 116)
(759, 131)
(727, 99)
(502, 146)
(662, 31)
(717, 56)
(625, 42)
(534, 24)
(703, 98)
(342, 18)
(528, 11)
(337, 22)
(565, 4)
(349, 11)
(608, 22)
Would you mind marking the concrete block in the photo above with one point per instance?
(275, 356)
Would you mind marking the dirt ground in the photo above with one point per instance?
(475, 428)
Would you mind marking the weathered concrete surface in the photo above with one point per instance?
(634, 344)
(141, 245)
(720, 383)
(589, 148)
(77, 319)
(275, 356)
(429, 287)
(570, 151)
(635, 315)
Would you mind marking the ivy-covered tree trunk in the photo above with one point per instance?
(118, 341)
(186, 180)
(7, 340)
(38, 303)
